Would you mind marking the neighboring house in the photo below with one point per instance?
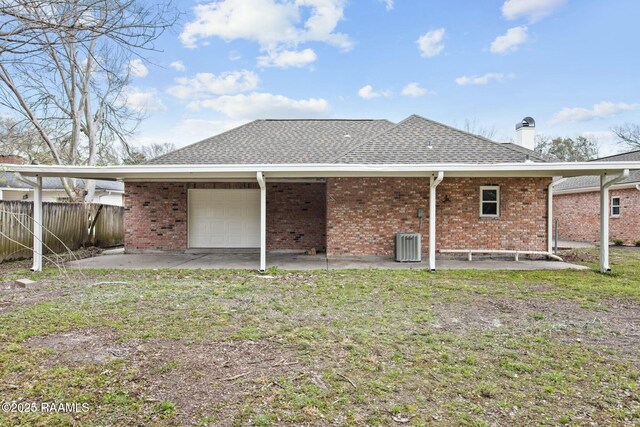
(577, 201)
(345, 187)
(12, 188)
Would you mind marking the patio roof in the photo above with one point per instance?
(204, 172)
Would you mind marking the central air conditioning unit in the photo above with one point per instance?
(408, 247)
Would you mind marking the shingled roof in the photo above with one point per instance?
(279, 142)
(583, 182)
(413, 140)
(420, 140)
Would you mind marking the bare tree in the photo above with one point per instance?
(628, 134)
(473, 127)
(22, 141)
(65, 71)
(137, 155)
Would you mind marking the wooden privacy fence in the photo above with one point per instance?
(64, 224)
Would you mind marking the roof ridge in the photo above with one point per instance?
(395, 125)
(202, 141)
(615, 155)
(324, 120)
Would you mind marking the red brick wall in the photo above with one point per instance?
(156, 214)
(578, 216)
(296, 216)
(363, 214)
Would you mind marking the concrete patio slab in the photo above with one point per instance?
(248, 261)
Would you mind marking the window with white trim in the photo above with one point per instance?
(490, 200)
(615, 206)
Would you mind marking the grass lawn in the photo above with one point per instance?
(225, 347)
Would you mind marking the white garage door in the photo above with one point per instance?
(224, 218)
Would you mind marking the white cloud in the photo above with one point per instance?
(288, 58)
(234, 55)
(272, 24)
(389, 4)
(137, 68)
(414, 90)
(534, 10)
(146, 101)
(197, 129)
(599, 110)
(510, 41)
(367, 92)
(186, 131)
(178, 66)
(430, 43)
(203, 84)
(479, 80)
(264, 105)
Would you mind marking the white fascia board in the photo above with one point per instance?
(624, 186)
(194, 172)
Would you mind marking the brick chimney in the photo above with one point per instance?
(11, 159)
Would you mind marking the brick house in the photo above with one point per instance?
(342, 187)
(576, 202)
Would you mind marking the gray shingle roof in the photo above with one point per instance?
(9, 180)
(420, 140)
(414, 140)
(581, 182)
(278, 141)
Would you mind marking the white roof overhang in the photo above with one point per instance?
(206, 172)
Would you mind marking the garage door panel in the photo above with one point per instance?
(222, 218)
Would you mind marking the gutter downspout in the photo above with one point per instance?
(550, 213)
(604, 217)
(263, 222)
(638, 187)
(434, 181)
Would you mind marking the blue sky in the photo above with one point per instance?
(572, 65)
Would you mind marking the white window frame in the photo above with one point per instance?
(497, 201)
(619, 206)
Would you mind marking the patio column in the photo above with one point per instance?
(604, 218)
(37, 225)
(263, 222)
(433, 181)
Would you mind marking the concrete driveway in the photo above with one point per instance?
(250, 261)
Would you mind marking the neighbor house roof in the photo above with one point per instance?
(582, 183)
(414, 140)
(9, 181)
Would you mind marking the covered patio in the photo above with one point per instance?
(288, 261)
(436, 174)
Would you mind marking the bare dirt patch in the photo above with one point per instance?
(213, 378)
(199, 378)
(12, 296)
(613, 323)
(97, 345)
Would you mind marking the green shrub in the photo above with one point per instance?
(637, 242)
(618, 242)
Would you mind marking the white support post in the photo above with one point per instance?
(37, 225)
(263, 222)
(433, 183)
(604, 218)
(550, 217)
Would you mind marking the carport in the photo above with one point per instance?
(609, 172)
